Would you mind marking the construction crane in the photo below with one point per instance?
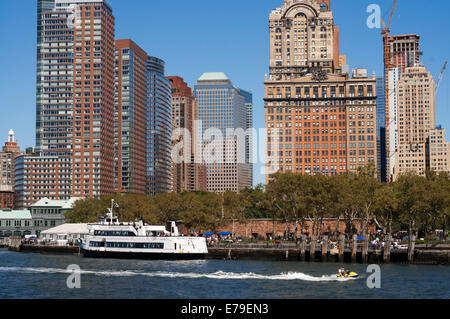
(387, 65)
(440, 77)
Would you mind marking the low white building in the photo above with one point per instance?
(66, 234)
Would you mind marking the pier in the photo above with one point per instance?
(355, 251)
(421, 256)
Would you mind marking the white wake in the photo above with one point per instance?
(219, 275)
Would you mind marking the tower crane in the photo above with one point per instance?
(440, 77)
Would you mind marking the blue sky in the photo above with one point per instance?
(230, 36)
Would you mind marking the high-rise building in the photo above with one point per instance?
(129, 118)
(404, 52)
(303, 36)
(392, 127)
(416, 120)
(187, 173)
(381, 129)
(318, 118)
(248, 100)
(75, 90)
(223, 111)
(159, 128)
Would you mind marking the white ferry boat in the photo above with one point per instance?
(112, 239)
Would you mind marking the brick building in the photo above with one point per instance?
(75, 90)
(187, 174)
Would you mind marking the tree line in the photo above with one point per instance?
(413, 203)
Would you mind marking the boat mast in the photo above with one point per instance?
(111, 210)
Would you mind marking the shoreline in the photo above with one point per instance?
(425, 256)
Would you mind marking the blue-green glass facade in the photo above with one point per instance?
(222, 107)
(159, 128)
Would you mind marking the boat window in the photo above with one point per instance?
(96, 244)
(155, 234)
(134, 245)
(114, 233)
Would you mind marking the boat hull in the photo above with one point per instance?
(145, 256)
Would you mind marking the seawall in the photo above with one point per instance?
(425, 257)
(43, 249)
(420, 256)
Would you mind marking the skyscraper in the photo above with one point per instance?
(404, 52)
(318, 118)
(186, 172)
(392, 127)
(223, 110)
(303, 36)
(416, 119)
(248, 100)
(159, 128)
(381, 129)
(129, 118)
(75, 90)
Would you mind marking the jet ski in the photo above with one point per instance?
(348, 274)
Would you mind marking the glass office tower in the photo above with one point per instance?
(381, 129)
(159, 128)
(129, 118)
(223, 107)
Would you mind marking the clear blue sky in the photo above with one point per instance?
(230, 36)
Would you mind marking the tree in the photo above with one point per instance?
(413, 195)
(255, 198)
(203, 212)
(365, 186)
(235, 207)
(86, 210)
(386, 208)
(283, 194)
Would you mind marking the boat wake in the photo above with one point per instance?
(218, 275)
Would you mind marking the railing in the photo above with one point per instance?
(348, 246)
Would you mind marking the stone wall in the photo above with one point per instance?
(262, 227)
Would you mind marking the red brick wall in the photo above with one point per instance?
(263, 227)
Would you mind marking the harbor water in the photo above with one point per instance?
(40, 276)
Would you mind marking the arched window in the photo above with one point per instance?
(300, 15)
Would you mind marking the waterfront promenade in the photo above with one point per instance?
(348, 253)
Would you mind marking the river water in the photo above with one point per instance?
(30, 276)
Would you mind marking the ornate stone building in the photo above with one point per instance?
(318, 118)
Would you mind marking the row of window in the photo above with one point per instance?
(116, 233)
(127, 245)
